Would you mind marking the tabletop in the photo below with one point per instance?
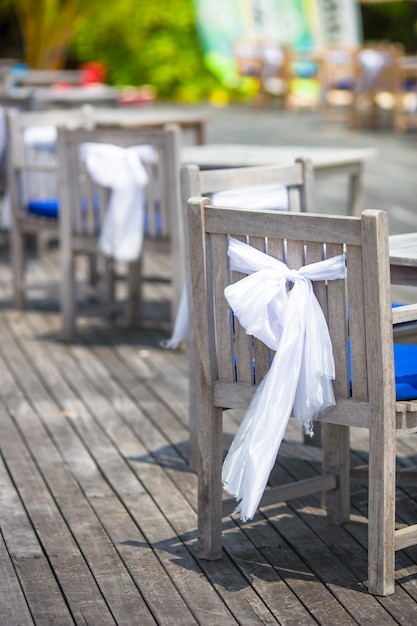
(229, 155)
(403, 249)
(403, 259)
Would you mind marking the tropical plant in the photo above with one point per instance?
(47, 27)
(143, 42)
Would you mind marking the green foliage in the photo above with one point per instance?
(393, 21)
(143, 42)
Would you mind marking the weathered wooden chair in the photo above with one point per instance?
(296, 180)
(34, 167)
(376, 84)
(83, 202)
(32, 184)
(269, 63)
(337, 80)
(231, 363)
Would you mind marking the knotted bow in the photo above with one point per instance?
(121, 169)
(292, 323)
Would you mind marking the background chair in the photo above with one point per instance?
(33, 171)
(267, 62)
(230, 364)
(376, 84)
(295, 181)
(337, 76)
(32, 184)
(83, 205)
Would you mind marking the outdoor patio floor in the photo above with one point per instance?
(97, 501)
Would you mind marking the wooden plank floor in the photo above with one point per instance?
(97, 502)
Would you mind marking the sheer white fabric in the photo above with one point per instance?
(122, 170)
(262, 197)
(372, 62)
(291, 322)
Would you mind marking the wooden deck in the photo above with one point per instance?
(97, 502)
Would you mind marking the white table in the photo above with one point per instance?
(325, 160)
(154, 117)
(403, 259)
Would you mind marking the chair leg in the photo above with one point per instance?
(193, 400)
(209, 480)
(134, 309)
(381, 514)
(18, 265)
(68, 296)
(336, 461)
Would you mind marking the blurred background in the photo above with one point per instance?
(184, 50)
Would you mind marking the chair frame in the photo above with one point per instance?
(163, 180)
(365, 399)
(298, 177)
(167, 140)
(365, 103)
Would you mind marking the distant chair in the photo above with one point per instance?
(376, 84)
(277, 187)
(83, 202)
(267, 62)
(53, 195)
(405, 112)
(337, 81)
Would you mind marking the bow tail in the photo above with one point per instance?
(252, 455)
(122, 231)
(314, 390)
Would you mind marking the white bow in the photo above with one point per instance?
(291, 322)
(121, 169)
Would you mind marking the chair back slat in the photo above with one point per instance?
(223, 320)
(357, 322)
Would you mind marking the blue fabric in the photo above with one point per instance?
(405, 361)
(49, 207)
(44, 208)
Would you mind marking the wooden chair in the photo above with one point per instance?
(297, 178)
(267, 62)
(32, 183)
(337, 77)
(83, 204)
(376, 84)
(405, 112)
(230, 364)
(33, 172)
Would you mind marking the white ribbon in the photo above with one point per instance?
(121, 169)
(372, 62)
(291, 322)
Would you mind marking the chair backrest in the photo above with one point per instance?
(161, 163)
(83, 202)
(337, 68)
(31, 155)
(376, 67)
(297, 178)
(357, 309)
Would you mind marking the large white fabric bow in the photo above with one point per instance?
(291, 322)
(121, 169)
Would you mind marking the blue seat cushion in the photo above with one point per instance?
(405, 361)
(45, 208)
(49, 207)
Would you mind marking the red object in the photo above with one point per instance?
(93, 72)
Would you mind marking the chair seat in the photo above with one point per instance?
(405, 362)
(44, 208)
(49, 207)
